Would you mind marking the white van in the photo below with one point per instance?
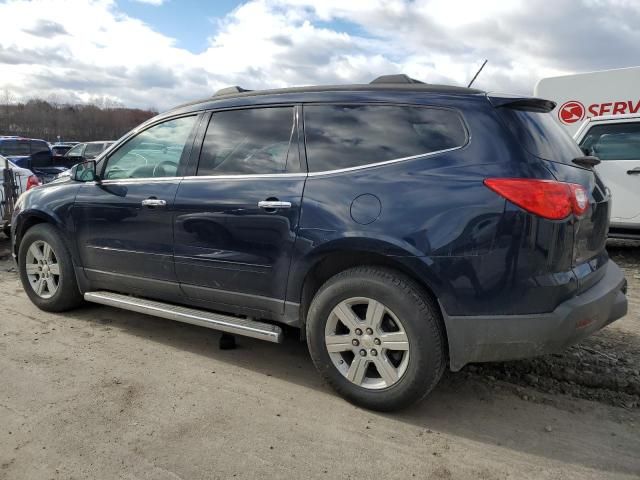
(615, 140)
(601, 110)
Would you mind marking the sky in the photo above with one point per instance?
(159, 53)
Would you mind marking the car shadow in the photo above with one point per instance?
(461, 405)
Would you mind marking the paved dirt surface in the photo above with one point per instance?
(103, 393)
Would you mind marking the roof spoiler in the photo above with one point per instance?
(530, 104)
(230, 90)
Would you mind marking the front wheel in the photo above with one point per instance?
(376, 337)
(46, 270)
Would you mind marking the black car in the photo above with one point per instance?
(60, 149)
(85, 151)
(402, 227)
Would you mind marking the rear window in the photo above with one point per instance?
(10, 148)
(616, 141)
(343, 136)
(540, 135)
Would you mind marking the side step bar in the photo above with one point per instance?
(202, 318)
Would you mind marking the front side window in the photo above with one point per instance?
(251, 141)
(156, 152)
(616, 141)
(343, 136)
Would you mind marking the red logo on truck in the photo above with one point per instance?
(571, 112)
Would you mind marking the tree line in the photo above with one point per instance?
(49, 120)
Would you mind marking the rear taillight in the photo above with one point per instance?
(545, 198)
(32, 181)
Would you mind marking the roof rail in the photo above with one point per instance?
(398, 78)
(229, 90)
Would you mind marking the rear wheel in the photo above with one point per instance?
(376, 337)
(46, 270)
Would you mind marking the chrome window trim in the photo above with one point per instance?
(116, 181)
(385, 162)
(283, 175)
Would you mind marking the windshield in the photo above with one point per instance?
(540, 135)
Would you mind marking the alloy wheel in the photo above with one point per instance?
(43, 269)
(367, 343)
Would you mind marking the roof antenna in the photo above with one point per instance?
(477, 73)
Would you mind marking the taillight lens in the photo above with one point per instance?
(545, 198)
(32, 181)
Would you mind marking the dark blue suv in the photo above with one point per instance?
(403, 227)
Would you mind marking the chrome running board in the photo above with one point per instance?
(202, 318)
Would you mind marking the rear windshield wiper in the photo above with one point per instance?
(588, 161)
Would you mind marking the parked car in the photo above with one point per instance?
(403, 227)
(615, 140)
(86, 151)
(16, 181)
(32, 154)
(60, 149)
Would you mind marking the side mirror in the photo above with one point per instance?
(85, 172)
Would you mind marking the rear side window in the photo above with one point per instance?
(16, 148)
(251, 141)
(539, 134)
(616, 141)
(343, 136)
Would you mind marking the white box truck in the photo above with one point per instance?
(586, 95)
(601, 110)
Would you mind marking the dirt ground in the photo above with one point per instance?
(104, 393)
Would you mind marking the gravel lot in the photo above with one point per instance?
(103, 393)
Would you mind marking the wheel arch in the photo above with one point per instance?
(24, 222)
(324, 265)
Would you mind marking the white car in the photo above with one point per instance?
(615, 140)
(24, 180)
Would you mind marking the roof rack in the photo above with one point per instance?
(230, 90)
(398, 78)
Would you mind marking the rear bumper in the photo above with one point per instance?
(508, 337)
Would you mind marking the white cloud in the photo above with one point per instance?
(83, 50)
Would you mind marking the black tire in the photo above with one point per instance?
(67, 295)
(420, 318)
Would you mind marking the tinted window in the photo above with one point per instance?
(92, 150)
(40, 154)
(15, 148)
(57, 150)
(251, 141)
(540, 134)
(155, 152)
(341, 136)
(617, 141)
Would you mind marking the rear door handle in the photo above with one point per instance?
(635, 171)
(273, 204)
(154, 202)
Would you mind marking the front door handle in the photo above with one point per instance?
(273, 204)
(154, 202)
(635, 171)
